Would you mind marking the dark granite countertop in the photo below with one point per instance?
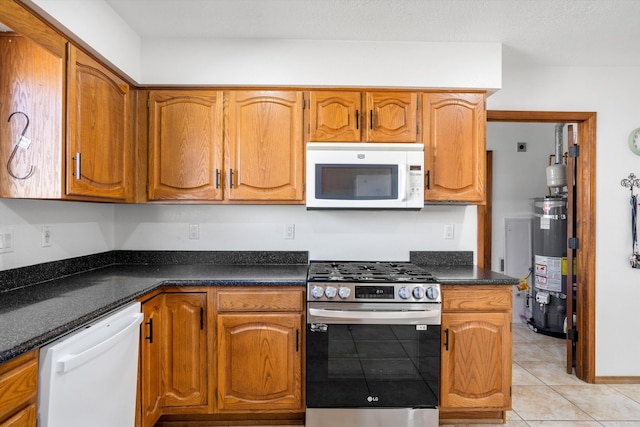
(31, 316)
(458, 268)
(469, 275)
(38, 304)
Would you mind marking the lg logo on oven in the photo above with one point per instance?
(372, 399)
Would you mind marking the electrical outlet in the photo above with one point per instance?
(45, 236)
(194, 231)
(448, 231)
(289, 231)
(6, 241)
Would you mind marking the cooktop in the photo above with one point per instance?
(367, 271)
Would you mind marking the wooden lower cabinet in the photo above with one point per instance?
(151, 397)
(173, 356)
(259, 362)
(222, 354)
(475, 379)
(184, 359)
(19, 391)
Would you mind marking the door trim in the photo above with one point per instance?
(585, 224)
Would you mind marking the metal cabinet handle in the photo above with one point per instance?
(150, 336)
(77, 168)
(217, 178)
(371, 119)
(230, 178)
(428, 186)
(446, 339)
(357, 119)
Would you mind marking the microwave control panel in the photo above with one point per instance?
(416, 182)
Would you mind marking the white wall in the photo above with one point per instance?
(86, 228)
(109, 35)
(335, 235)
(612, 93)
(76, 229)
(301, 63)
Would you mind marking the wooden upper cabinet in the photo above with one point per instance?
(454, 146)
(185, 145)
(392, 117)
(335, 116)
(263, 146)
(99, 140)
(342, 116)
(31, 83)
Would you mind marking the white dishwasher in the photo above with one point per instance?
(88, 378)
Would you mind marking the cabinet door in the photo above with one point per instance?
(476, 356)
(259, 362)
(454, 146)
(99, 130)
(264, 150)
(391, 117)
(31, 87)
(335, 116)
(184, 361)
(18, 388)
(150, 358)
(185, 145)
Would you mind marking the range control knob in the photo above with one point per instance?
(317, 291)
(432, 293)
(418, 292)
(330, 292)
(344, 292)
(403, 292)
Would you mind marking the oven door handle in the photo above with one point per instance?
(374, 315)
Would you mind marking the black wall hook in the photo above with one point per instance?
(15, 148)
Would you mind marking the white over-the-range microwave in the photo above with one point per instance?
(365, 175)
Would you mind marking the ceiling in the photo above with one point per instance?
(547, 32)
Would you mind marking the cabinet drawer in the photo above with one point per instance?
(248, 299)
(18, 383)
(25, 418)
(476, 298)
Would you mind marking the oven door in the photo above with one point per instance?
(386, 363)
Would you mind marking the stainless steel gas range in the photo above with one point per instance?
(373, 345)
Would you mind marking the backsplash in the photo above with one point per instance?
(26, 276)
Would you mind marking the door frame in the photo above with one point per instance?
(585, 181)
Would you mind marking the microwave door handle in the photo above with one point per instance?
(402, 183)
(373, 315)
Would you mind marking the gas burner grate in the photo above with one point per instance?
(375, 271)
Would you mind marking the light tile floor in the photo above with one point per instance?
(545, 395)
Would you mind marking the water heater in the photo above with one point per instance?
(549, 297)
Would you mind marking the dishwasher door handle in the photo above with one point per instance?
(374, 315)
(67, 363)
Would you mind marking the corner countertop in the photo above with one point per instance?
(32, 316)
(39, 304)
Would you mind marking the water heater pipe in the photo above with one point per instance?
(559, 145)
